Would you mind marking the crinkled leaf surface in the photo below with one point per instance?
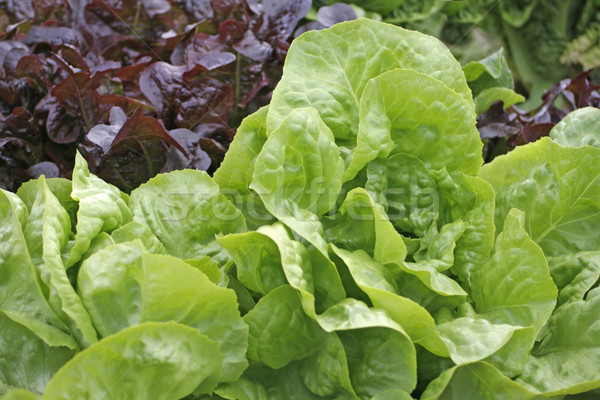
(185, 211)
(329, 69)
(102, 208)
(47, 233)
(408, 112)
(299, 164)
(20, 288)
(557, 187)
(579, 128)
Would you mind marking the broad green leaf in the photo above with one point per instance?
(474, 339)
(47, 233)
(185, 211)
(60, 187)
(478, 380)
(124, 285)
(102, 208)
(20, 286)
(579, 128)
(308, 271)
(31, 352)
(329, 69)
(237, 168)
(211, 270)
(257, 260)
(161, 361)
(515, 288)
(407, 112)
(557, 187)
(299, 164)
(414, 319)
(18, 206)
(235, 172)
(362, 224)
(325, 372)
(135, 230)
(280, 330)
(567, 361)
(574, 274)
(490, 72)
(380, 354)
(487, 97)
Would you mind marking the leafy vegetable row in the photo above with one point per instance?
(350, 246)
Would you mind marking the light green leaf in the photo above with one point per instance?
(257, 259)
(329, 69)
(567, 361)
(487, 97)
(394, 394)
(237, 168)
(478, 380)
(20, 286)
(417, 197)
(515, 286)
(47, 233)
(102, 208)
(299, 164)
(20, 394)
(557, 187)
(490, 72)
(124, 285)
(31, 352)
(325, 372)
(235, 172)
(474, 339)
(377, 282)
(280, 330)
(60, 187)
(314, 276)
(362, 224)
(407, 112)
(380, 355)
(579, 128)
(575, 274)
(185, 211)
(162, 361)
(135, 230)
